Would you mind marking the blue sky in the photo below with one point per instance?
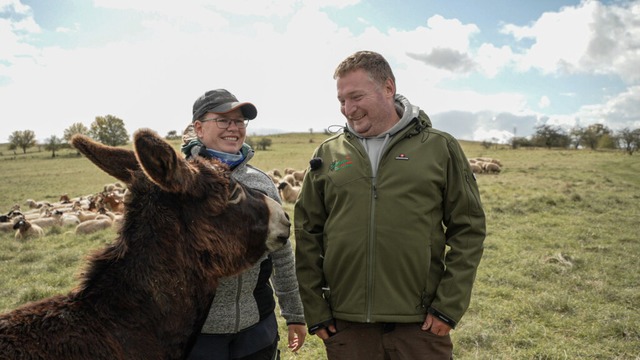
(482, 70)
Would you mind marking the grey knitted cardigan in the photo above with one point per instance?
(234, 307)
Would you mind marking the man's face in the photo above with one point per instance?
(227, 140)
(368, 106)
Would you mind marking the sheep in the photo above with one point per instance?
(477, 169)
(288, 192)
(69, 220)
(46, 222)
(113, 187)
(299, 175)
(32, 204)
(7, 227)
(275, 178)
(25, 229)
(147, 294)
(86, 215)
(290, 179)
(114, 202)
(276, 172)
(491, 168)
(93, 225)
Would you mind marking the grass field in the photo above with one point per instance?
(559, 278)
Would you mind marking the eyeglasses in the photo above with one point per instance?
(225, 123)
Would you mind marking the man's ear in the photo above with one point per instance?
(390, 87)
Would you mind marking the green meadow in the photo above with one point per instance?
(560, 276)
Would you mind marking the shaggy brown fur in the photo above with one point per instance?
(146, 295)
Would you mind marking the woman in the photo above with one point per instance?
(241, 323)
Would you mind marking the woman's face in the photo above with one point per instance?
(227, 140)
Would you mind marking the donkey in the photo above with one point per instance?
(147, 294)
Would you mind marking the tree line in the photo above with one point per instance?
(109, 130)
(594, 136)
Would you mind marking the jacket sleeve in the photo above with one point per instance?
(309, 220)
(465, 232)
(285, 284)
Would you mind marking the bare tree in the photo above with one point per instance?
(53, 144)
(22, 140)
(629, 140)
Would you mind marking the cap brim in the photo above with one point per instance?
(248, 109)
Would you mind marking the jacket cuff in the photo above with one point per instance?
(442, 317)
(319, 326)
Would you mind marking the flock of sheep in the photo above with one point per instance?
(485, 165)
(87, 214)
(288, 182)
(99, 211)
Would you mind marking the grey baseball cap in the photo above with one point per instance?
(221, 101)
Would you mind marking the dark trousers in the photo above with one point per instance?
(259, 342)
(386, 341)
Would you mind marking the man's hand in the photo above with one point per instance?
(327, 332)
(436, 326)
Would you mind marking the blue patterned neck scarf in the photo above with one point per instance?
(232, 160)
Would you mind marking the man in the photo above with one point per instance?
(389, 226)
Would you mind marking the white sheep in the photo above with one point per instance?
(32, 204)
(46, 222)
(91, 226)
(491, 168)
(86, 215)
(289, 179)
(288, 192)
(477, 169)
(67, 219)
(275, 178)
(276, 172)
(6, 227)
(299, 175)
(26, 229)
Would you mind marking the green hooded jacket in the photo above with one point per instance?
(388, 248)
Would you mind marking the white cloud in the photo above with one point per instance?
(544, 102)
(283, 61)
(491, 59)
(14, 6)
(587, 38)
(620, 111)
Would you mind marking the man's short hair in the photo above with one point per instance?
(373, 63)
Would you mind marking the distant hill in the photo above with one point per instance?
(264, 131)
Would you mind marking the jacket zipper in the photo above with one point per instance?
(370, 251)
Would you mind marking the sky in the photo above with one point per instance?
(482, 70)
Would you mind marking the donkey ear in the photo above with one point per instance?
(161, 163)
(117, 162)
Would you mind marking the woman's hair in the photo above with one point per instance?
(373, 63)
